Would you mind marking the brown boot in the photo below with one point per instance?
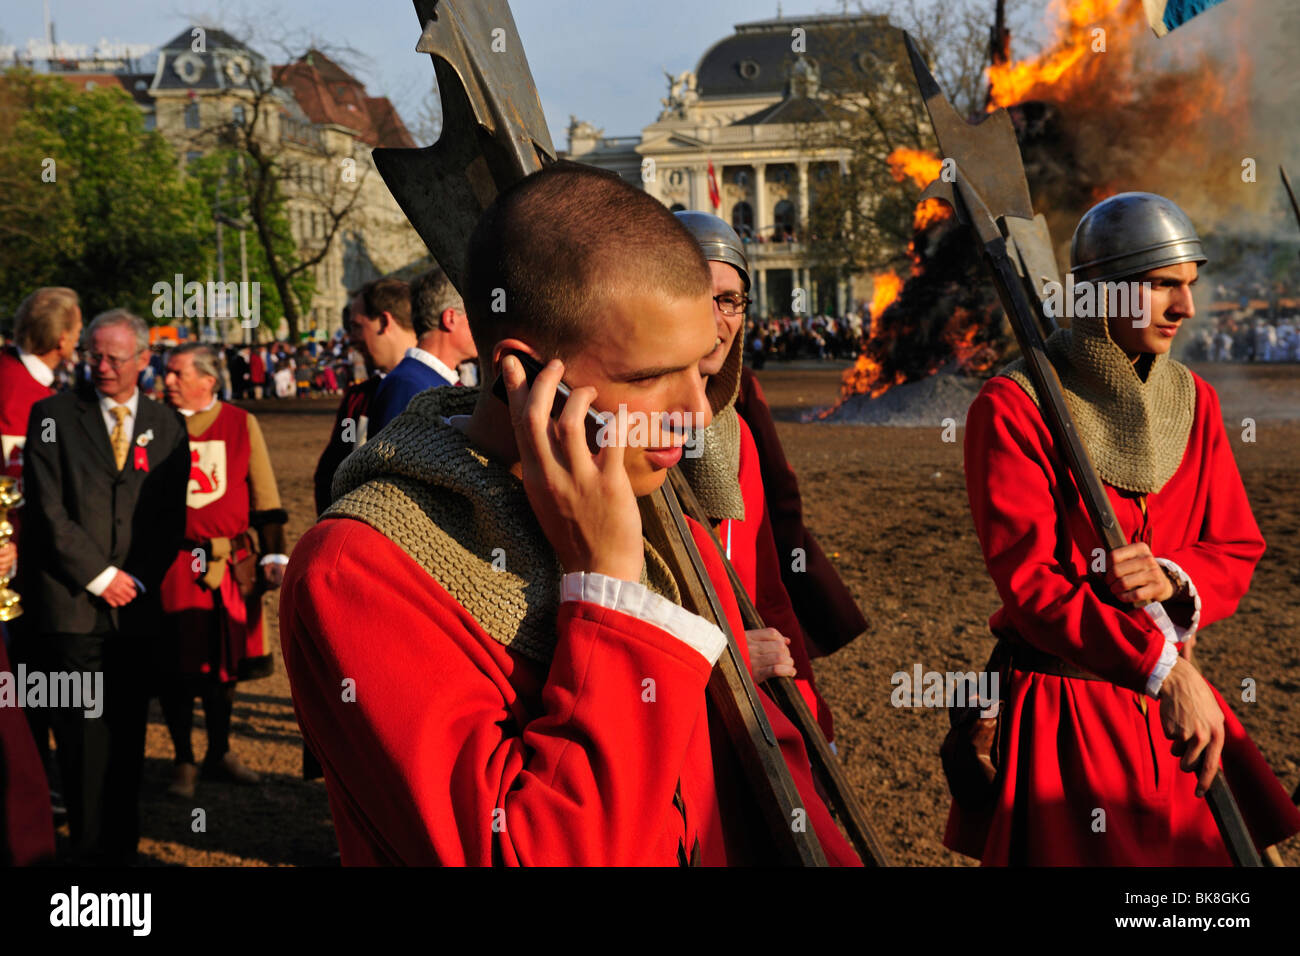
(184, 776)
(229, 768)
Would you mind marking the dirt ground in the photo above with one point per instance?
(889, 506)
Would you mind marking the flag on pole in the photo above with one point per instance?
(1166, 15)
(715, 196)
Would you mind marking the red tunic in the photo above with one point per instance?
(458, 751)
(754, 556)
(1072, 747)
(18, 393)
(219, 502)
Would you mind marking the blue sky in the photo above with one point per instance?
(601, 60)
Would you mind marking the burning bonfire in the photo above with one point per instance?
(1082, 110)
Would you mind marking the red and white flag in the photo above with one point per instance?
(715, 196)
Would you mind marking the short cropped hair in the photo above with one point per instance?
(122, 317)
(43, 317)
(386, 295)
(555, 247)
(431, 295)
(204, 358)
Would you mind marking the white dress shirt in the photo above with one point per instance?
(449, 375)
(101, 581)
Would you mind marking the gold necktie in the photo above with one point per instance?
(119, 438)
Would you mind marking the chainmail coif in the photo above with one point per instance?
(1135, 432)
(466, 520)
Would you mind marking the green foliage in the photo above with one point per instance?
(118, 217)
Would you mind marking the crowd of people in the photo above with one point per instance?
(1237, 337)
(150, 532)
(820, 337)
(535, 689)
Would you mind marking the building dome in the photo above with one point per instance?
(846, 51)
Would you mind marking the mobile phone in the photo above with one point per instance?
(533, 368)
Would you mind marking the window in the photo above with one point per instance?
(150, 121)
(742, 219)
(192, 116)
(783, 217)
(676, 207)
(237, 114)
(192, 156)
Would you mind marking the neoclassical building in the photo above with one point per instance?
(319, 123)
(747, 109)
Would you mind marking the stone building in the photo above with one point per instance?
(319, 123)
(747, 109)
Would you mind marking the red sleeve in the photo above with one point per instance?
(1019, 511)
(438, 761)
(1229, 544)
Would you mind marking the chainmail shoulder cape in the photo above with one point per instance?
(1135, 432)
(466, 520)
(714, 475)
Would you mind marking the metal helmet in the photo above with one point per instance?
(718, 240)
(1130, 233)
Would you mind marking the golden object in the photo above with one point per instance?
(10, 498)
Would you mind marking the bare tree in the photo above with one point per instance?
(862, 219)
(286, 167)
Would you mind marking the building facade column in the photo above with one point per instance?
(839, 296)
(803, 198)
(760, 292)
(760, 198)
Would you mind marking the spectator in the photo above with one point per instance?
(214, 611)
(106, 515)
(438, 318)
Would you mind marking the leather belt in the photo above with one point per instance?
(1025, 657)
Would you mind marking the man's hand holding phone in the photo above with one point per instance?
(583, 502)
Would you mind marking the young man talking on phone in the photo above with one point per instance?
(521, 685)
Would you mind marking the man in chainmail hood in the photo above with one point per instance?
(740, 475)
(520, 684)
(1095, 681)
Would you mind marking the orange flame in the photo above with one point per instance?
(885, 289)
(1071, 60)
(923, 167)
(930, 211)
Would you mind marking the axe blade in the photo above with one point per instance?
(493, 129)
(991, 165)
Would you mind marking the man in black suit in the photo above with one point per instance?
(104, 473)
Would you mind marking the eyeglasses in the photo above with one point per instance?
(731, 303)
(114, 361)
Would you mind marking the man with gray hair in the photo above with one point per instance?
(104, 473)
(214, 605)
(438, 316)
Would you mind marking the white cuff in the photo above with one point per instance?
(1184, 633)
(1168, 658)
(273, 559)
(100, 582)
(640, 602)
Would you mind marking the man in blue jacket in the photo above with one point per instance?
(438, 315)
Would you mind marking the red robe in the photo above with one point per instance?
(820, 599)
(219, 505)
(18, 393)
(754, 556)
(1072, 747)
(458, 751)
